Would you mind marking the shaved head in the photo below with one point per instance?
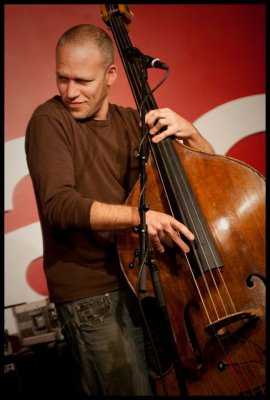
(87, 35)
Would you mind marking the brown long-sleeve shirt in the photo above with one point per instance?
(72, 163)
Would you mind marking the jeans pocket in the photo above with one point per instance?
(93, 311)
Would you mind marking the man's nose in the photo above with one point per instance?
(72, 90)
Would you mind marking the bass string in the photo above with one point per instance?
(197, 228)
(245, 383)
(123, 42)
(206, 283)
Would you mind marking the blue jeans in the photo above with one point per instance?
(105, 335)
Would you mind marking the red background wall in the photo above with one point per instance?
(216, 53)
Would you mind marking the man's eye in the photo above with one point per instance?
(61, 79)
(83, 81)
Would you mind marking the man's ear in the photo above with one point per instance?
(111, 74)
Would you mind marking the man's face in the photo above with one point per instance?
(83, 81)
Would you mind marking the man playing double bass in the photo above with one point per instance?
(79, 150)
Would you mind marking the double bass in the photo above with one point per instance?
(215, 295)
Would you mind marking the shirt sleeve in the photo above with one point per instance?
(49, 155)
